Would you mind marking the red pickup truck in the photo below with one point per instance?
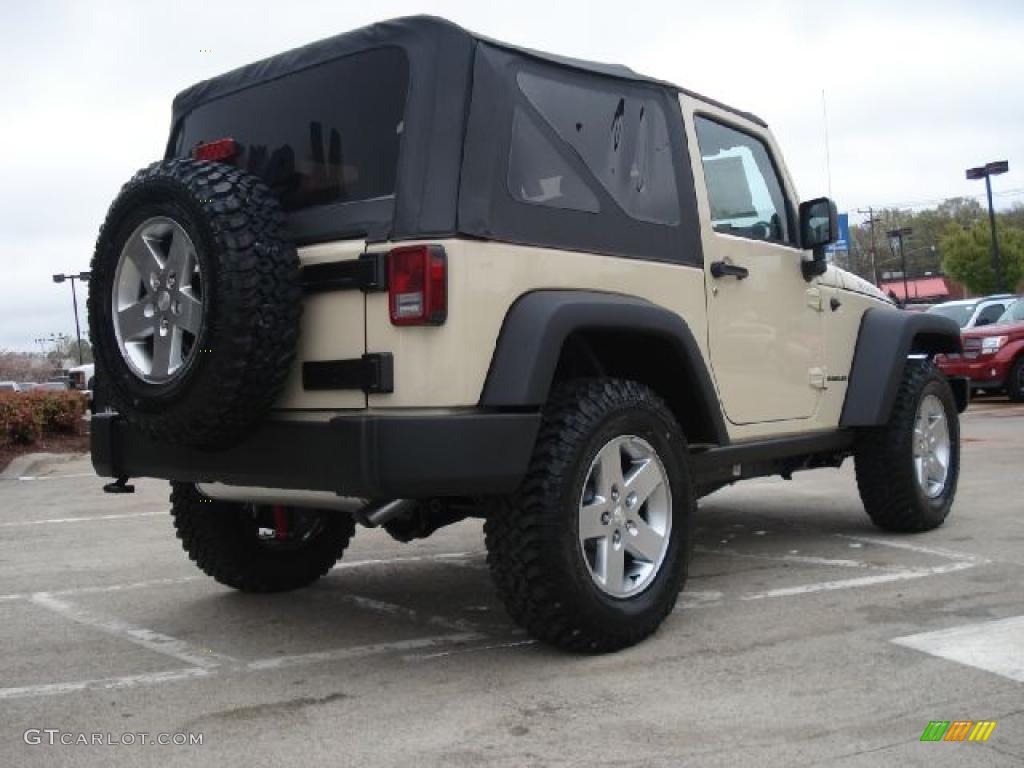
(993, 355)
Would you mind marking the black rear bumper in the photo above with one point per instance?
(371, 456)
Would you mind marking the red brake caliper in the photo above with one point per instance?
(280, 522)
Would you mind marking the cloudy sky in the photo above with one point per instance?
(915, 93)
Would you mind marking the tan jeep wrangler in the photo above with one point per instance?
(407, 275)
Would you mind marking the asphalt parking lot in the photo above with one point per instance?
(804, 637)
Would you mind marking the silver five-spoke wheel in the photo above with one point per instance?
(157, 300)
(931, 446)
(625, 516)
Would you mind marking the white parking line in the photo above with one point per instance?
(862, 581)
(390, 609)
(442, 557)
(399, 560)
(362, 651)
(147, 638)
(960, 561)
(206, 662)
(463, 634)
(96, 590)
(803, 559)
(919, 548)
(30, 478)
(92, 519)
(472, 649)
(105, 683)
(994, 646)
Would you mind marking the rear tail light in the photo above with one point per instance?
(215, 151)
(418, 285)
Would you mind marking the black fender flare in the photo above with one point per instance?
(536, 326)
(886, 338)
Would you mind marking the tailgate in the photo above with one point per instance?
(333, 328)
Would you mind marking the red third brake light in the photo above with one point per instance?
(418, 285)
(215, 151)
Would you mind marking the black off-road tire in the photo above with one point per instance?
(252, 303)
(884, 457)
(1015, 381)
(532, 536)
(221, 537)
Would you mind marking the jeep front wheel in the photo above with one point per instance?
(591, 553)
(907, 470)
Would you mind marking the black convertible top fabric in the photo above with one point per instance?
(452, 168)
(432, 30)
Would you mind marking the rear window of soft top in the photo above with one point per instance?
(327, 134)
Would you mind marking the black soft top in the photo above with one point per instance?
(430, 31)
(465, 116)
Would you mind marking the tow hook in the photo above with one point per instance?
(119, 486)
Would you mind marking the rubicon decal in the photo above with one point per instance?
(958, 730)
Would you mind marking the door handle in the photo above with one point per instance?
(725, 269)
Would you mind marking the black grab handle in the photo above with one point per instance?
(724, 269)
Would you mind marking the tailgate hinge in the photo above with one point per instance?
(373, 373)
(367, 273)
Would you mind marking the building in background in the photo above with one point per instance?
(925, 290)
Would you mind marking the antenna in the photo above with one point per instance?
(828, 156)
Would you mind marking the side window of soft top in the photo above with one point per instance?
(744, 191)
(619, 132)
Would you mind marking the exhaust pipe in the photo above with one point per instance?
(376, 513)
(371, 514)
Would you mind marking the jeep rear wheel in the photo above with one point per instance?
(591, 553)
(907, 470)
(194, 302)
(256, 547)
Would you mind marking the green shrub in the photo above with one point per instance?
(59, 411)
(24, 418)
(20, 419)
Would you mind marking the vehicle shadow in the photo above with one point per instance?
(432, 601)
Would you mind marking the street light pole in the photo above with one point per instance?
(986, 172)
(874, 251)
(84, 277)
(897, 234)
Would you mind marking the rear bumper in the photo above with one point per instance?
(370, 456)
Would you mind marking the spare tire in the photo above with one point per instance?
(194, 302)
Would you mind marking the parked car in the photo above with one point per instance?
(974, 313)
(993, 356)
(557, 295)
(17, 386)
(82, 377)
(917, 307)
(52, 386)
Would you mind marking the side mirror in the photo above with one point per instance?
(819, 226)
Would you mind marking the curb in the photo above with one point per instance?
(21, 465)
